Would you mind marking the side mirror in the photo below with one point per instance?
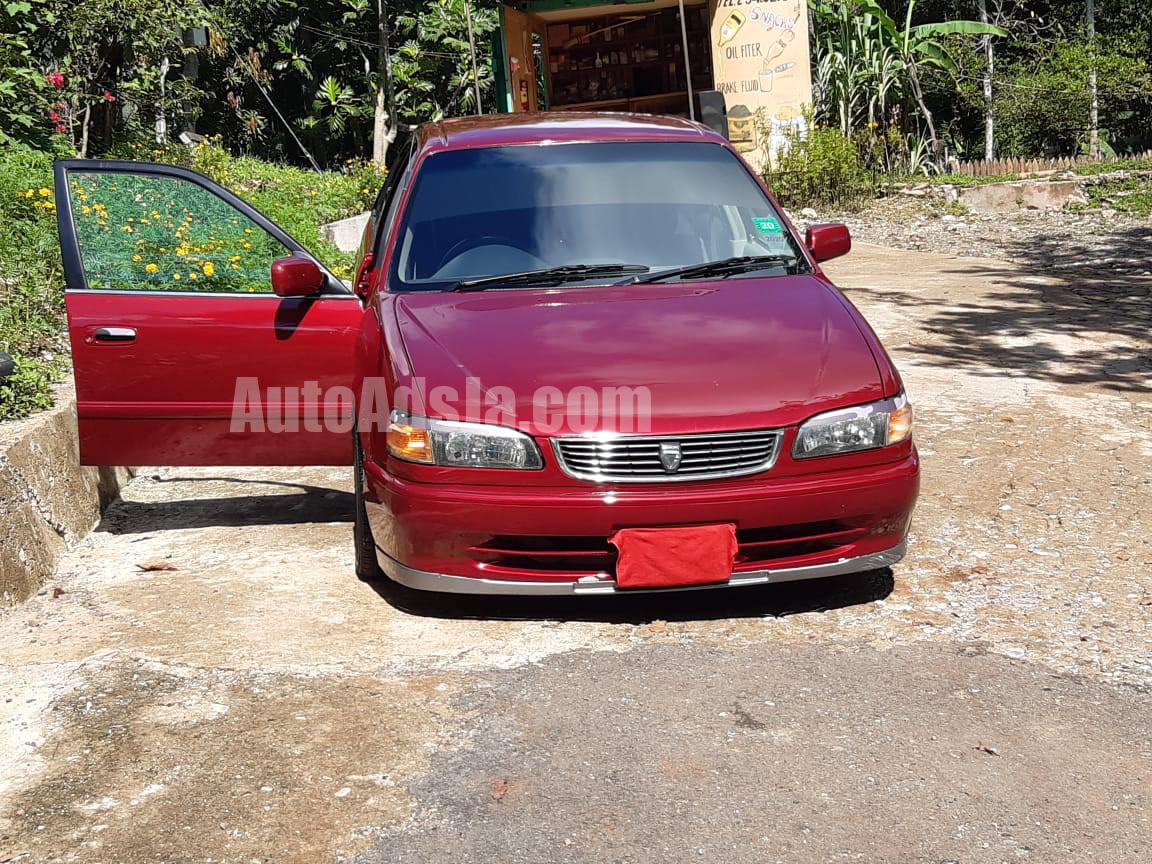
(296, 276)
(826, 242)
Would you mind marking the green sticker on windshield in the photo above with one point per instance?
(766, 225)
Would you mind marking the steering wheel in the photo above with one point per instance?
(469, 243)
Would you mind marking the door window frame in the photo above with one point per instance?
(75, 278)
(391, 196)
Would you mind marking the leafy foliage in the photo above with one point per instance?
(1043, 103)
(867, 63)
(821, 168)
(1131, 194)
(31, 280)
(23, 90)
(319, 64)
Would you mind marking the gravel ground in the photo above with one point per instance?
(988, 700)
(1098, 242)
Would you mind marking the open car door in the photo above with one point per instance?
(183, 353)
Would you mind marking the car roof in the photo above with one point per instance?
(495, 130)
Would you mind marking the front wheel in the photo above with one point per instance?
(367, 567)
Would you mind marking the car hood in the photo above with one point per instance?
(734, 354)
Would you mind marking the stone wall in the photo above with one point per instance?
(48, 502)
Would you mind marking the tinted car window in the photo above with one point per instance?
(139, 232)
(498, 210)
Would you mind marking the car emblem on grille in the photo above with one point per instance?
(670, 455)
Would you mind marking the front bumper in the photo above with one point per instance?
(554, 540)
(422, 580)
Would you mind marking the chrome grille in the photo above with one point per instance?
(637, 458)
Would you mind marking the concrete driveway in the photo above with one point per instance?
(205, 679)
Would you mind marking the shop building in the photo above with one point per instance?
(748, 58)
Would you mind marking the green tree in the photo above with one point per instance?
(27, 115)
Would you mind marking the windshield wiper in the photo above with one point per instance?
(551, 276)
(723, 268)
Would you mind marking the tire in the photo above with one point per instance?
(367, 567)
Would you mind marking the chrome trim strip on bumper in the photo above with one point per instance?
(422, 580)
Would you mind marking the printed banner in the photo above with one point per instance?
(760, 62)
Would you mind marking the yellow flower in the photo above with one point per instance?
(234, 258)
(137, 258)
(176, 276)
(209, 268)
(151, 268)
(127, 229)
(193, 276)
(45, 192)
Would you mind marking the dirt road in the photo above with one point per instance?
(988, 701)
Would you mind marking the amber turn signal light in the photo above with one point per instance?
(410, 442)
(900, 423)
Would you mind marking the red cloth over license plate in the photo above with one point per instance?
(668, 557)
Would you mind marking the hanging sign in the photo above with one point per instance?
(760, 62)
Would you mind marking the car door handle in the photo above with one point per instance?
(114, 334)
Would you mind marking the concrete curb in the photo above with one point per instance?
(48, 501)
(345, 233)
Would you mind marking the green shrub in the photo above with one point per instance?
(31, 281)
(29, 388)
(820, 168)
(1131, 194)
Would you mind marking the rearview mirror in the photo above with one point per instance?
(826, 242)
(296, 276)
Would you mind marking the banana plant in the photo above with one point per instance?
(919, 46)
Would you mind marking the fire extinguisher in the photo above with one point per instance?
(523, 94)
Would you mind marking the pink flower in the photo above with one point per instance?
(61, 128)
(54, 116)
(56, 79)
(109, 96)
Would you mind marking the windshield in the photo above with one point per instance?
(503, 210)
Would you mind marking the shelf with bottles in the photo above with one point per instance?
(568, 62)
(623, 40)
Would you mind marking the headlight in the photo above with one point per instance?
(848, 430)
(460, 445)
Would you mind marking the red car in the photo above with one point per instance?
(567, 332)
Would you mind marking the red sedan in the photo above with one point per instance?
(582, 354)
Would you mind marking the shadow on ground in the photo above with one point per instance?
(308, 505)
(1025, 325)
